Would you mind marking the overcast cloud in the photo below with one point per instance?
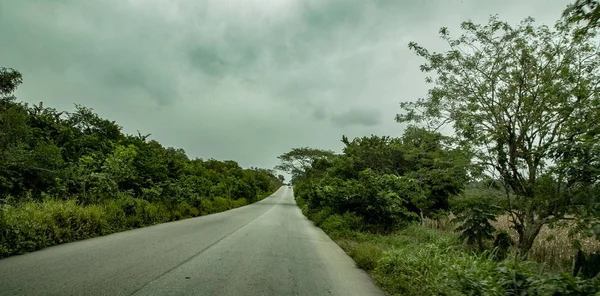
(241, 79)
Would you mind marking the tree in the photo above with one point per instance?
(383, 155)
(298, 160)
(439, 169)
(525, 100)
(9, 80)
(587, 11)
(475, 223)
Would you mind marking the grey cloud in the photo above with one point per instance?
(236, 79)
(208, 60)
(319, 114)
(358, 116)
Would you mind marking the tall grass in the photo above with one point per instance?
(423, 260)
(553, 246)
(30, 226)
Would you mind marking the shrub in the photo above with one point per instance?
(415, 235)
(503, 242)
(206, 206)
(33, 225)
(421, 261)
(319, 216)
(220, 204)
(421, 271)
(238, 203)
(341, 225)
(183, 210)
(431, 270)
(475, 224)
(366, 255)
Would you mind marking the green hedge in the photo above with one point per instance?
(33, 225)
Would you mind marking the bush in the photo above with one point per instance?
(30, 226)
(238, 203)
(417, 272)
(319, 217)
(415, 235)
(431, 270)
(417, 260)
(379, 200)
(341, 225)
(366, 255)
(502, 243)
(220, 204)
(474, 219)
(302, 205)
(34, 225)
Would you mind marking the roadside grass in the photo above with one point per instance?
(553, 246)
(423, 260)
(30, 226)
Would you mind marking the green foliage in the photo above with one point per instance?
(33, 225)
(385, 181)
(99, 179)
(298, 160)
(475, 226)
(422, 261)
(524, 100)
(366, 255)
(340, 225)
(9, 81)
(417, 260)
(584, 11)
(431, 270)
(502, 243)
(378, 200)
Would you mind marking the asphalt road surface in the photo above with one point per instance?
(267, 248)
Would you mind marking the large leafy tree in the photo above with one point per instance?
(383, 155)
(298, 160)
(526, 101)
(439, 169)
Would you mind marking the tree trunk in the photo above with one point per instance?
(528, 235)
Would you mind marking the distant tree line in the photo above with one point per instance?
(386, 181)
(48, 156)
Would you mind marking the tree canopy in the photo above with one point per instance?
(584, 11)
(525, 100)
(298, 160)
(386, 181)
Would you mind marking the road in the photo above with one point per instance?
(267, 248)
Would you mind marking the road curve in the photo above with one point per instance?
(267, 248)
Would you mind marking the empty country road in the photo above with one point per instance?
(266, 248)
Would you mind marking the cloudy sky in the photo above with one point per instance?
(237, 79)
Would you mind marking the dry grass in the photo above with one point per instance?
(443, 224)
(552, 247)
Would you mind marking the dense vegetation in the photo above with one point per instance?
(524, 104)
(68, 176)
